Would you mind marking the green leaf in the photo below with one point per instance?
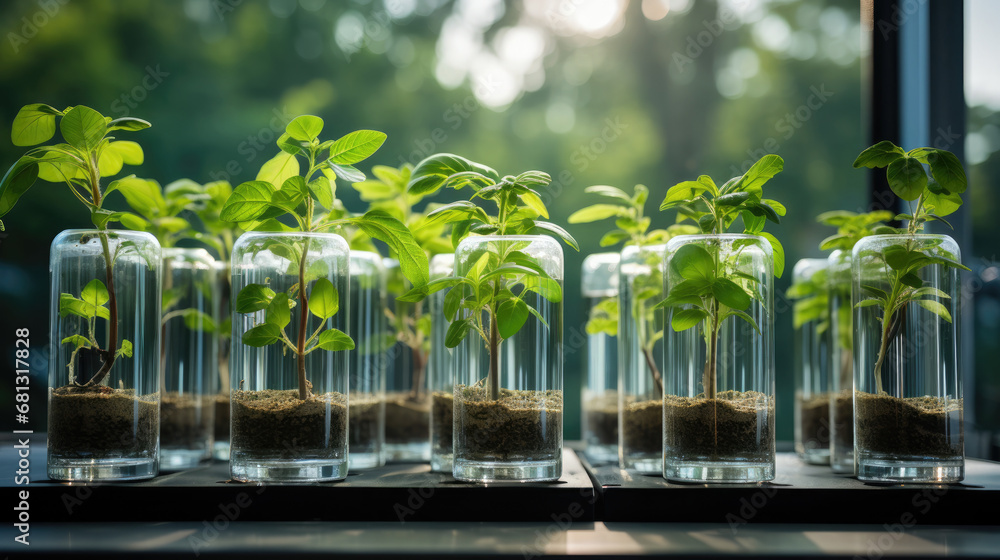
(144, 196)
(511, 316)
(324, 301)
(130, 124)
(95, 293)
(34, 124)
(897, 257)
(912, 280)
(412, 258)
(83, 128)
(254, 297)
(77, 340)
(334, 340)
(880, 155)
(730, 294)
(346, 172)
(129, 152)
(595, 212)
(356, 146)
(732, 199)
(745, 317)
(907, 178)
(305, 128)
(262, 335)
(16, 182)
(321, 188)
(545, 287)
(198, 321)
(452, 303)
(759, 173)
(682, 192)
(558, 231)
(535, 203)
(684, 319)
(420, 292)
(614, 237)
(249, 201)
(777, 253)
(278, 311)
(434, 171)
(456, 333)
(277, 170)
(125, 349)
(373, 191)
(608, 191)
(133, 222)
(69, 305)
(935, 307)
(693, 262)
(947, 171)
(929, 291)
(542, 320)
(869, 303)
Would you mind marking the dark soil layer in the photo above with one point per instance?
(520, 425)
(733, 425)
(101, 422)
(222, 417)
(815, 421)
(600, 419)
(186, 421)
(914, 426)
(407, 418)
(843, 421)
(443, 410)
(277, 424)
(643, 427)
(364, 422)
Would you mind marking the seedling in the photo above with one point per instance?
(936, 196)
(388, 193)
(711, 289)
(280, 190)
(87, 154)
(631, 228)
(492, 293)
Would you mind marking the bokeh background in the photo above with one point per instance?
(612, 92)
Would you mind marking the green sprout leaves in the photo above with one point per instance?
(323, 304)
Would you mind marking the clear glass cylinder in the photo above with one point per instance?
(440, 371)
(407, 401)
(599, 397)
(188, 357)
(812, 361)
(224, 331)
(276, 434)
(104, 382)
(508, 401)
(367, 361)
(907, 383)
(841, 362)
(719, 388)
(640, 359)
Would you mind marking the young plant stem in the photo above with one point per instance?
(493, 379)
(300, 349)
(419, 360)
(654, 371)
(709, 379)
(112, 349)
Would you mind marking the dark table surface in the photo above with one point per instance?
(404, 510)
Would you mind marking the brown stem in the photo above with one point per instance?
(653, 370)
(112, 349)
(419, 359)
(493, 380)
(303, 320)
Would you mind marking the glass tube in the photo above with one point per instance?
(719, 405)
(103, 421)
(907, 384)
(367, 361)
(508, 401)
(812, 361)
(440, 371)
(189, 347)
(841, 363)
(276, 434)
(599, 398)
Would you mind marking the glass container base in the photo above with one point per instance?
(842, 464)
(103, 469)
(442, 462)
(294, 470)
(495, 471)
(934, 471)
(220, 450)
(645, 463)
(719, 471)
(357, 461)
(414, 452)
(816, 456)
(177, 459)
(602, 454)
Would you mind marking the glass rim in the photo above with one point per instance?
(693, 236)
(495, 237)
